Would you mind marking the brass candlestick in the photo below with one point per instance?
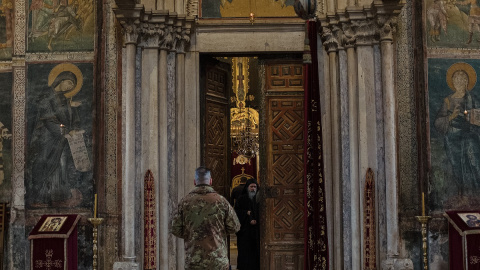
(95, 221)
(424, 220)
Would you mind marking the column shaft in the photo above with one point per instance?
(128, 183)
(353, 143)
(367, 150)
(336, 157)
(180, 104)
(390, 132)
(163, 164)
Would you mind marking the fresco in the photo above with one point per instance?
(454, 114)
(59, 135)
(452, 24)
(5, 136)
(61, 25)
(6, 29)
(242, 9)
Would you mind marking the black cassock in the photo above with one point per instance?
(248, 238)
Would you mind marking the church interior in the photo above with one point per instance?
(107, 107)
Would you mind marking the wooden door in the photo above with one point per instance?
(283, 237)
(216, 113)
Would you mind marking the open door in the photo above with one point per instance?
(282, 235)
(216, 132)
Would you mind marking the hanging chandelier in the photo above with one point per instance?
(243, 120)
(244, 132)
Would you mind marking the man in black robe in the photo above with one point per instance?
(248, 238)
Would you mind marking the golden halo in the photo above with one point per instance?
(472, 75)
(67, 67)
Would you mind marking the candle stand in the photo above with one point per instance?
(424, 220)
(95, 222)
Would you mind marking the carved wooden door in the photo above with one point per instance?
(283, 235)
(216, 127)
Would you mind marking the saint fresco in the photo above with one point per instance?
(59, 135)
(454, 112)
(6, 29)
(61, 25)
(452, 23)
(242, 9)
(5, 135)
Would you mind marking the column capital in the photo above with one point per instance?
(362, 25)
(184, 27)
(330, 37)
(387, 27)
(130, 20)
(155, 29)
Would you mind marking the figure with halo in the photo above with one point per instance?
(51, 151)
(458, 122)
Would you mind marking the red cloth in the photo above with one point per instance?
(464, 242)
(250, 168)
(316, 240)
(54, 250)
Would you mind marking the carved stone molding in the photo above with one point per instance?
(192, 8)
(361, 25)
(18, 178)
(70, 56)
(20, 24)
(163, 29)
(397, 264)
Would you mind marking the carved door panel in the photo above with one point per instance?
(216, 127)
(283, 236)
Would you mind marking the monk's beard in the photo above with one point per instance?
(251, 194)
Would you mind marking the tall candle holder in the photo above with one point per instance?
(424, 220)
(95, 222)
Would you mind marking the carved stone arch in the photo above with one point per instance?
(192, 8)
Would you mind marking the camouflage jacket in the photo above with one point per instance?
(205, 219)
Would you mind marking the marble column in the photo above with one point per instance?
(328, 40)
(332, 142)
(128, 181)
(182, 40)
(165, 45)
(356, 222)
(390, 132)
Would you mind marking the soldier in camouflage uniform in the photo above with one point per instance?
(205, 219)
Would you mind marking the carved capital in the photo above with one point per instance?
(151, 34)
(366, 31)
(130, 30)
(388, 27)
(130, 21)
(329, 37)
(349, 38)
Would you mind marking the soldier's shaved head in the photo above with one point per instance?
(202, 175)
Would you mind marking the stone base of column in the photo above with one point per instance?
(127, 266)
(397, 264)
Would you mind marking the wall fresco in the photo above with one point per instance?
(242, 9)
(5, 136)
(59, 135)
(6, 29)
(452, 24)
(60, 25)
(454, 113)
